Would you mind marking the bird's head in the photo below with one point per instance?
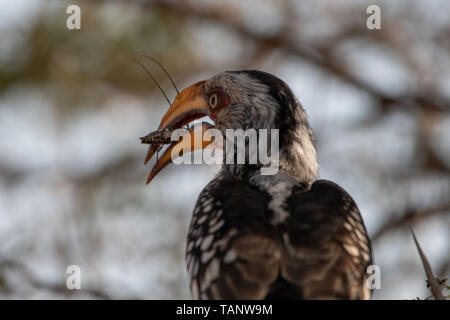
(247, 99)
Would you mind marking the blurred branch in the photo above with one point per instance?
(117, 168)
(443, 268)
(53, 287)
(409, 217)
(321, 56)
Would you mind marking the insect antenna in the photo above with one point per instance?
(154, 80)
(163, 69)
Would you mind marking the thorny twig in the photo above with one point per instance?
(432, 282)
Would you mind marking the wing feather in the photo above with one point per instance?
(321, 251)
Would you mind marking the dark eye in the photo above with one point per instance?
(213, 100)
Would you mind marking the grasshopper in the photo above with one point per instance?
(158, 137)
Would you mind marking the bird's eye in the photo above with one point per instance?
(213, 100)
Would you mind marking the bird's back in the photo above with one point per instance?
(236, 251)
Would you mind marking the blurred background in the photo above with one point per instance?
(73, 105)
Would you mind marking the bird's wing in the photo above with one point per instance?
(232, 250)
(235, 252)
(326, 250)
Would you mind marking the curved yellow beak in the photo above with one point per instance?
(189, 104)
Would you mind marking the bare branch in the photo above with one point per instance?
(410, 216)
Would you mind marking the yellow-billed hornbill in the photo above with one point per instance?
(254, 236)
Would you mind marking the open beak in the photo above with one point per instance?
(189, 104)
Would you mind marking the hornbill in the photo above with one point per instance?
(253, 236)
